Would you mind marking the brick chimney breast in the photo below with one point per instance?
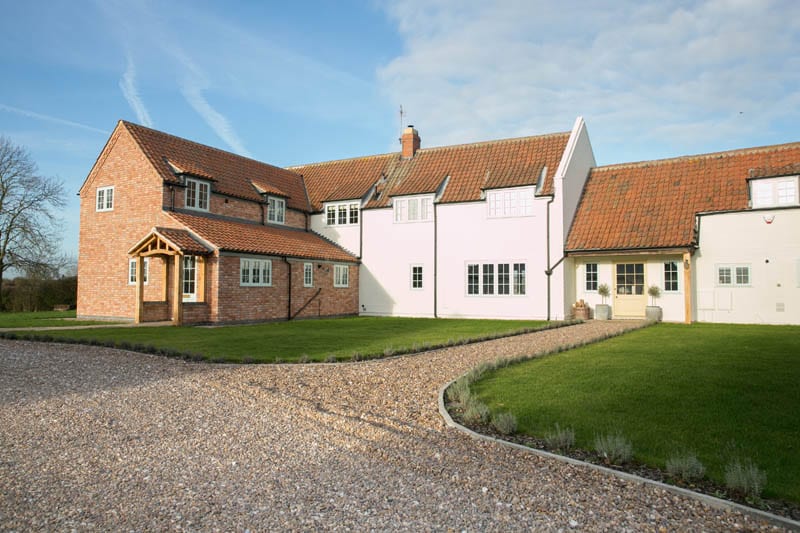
(410, 141)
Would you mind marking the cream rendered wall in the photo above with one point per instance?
(773, 253)
(389, 250)
(347, 236)
(467, 235)
(671, 303)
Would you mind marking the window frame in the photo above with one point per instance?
(767, 192)
(252, 269)
(590, 277)
(520, 279)
(509, 203)
(417, 272)
(132, 271)
(199, 193)
(308, 274)
(503, 279)
(276, 206)
(412, 209)
(735, 272)
(106, 205)
(484, 278)
(341, 276)
(668, 273)
(343, 213)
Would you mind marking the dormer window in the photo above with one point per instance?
(774, 192)
(276, 210)
(418, 209)
(198, 194)
(510, 203)
(342, 214)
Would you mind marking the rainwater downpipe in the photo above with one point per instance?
(435, 263)
(289, 306)
(549, 271)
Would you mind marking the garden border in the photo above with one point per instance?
(711, 501)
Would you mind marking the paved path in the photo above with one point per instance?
(98, 439)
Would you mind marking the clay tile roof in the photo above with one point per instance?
(471, 168)
(252, 238)
(183, 240)
(652, 204)
(345, 179)
(232, 174)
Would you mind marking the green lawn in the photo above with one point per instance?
(717, 390)
(43, 319)
(289, 341)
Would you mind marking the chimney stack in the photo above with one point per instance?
(410, 142)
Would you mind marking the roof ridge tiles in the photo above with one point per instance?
(343, 160)
(690, 157)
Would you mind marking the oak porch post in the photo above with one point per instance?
(137, 315)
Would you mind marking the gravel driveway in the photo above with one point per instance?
(99, 439)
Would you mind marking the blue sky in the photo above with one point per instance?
(291, 83)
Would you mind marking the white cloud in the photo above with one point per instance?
(50, 118)
(672, 75)
(128, 86)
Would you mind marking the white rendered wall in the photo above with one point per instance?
(672, 303)
(347, 236)
(389, 250)
(773, 253)
(467, 235)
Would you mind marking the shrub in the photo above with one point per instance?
(614, 448)
(356, 356)
(560, 438)
(388, 351)
(476, 413)
(304, 359)
(248, 360)
(331, 358)
(504, 423)
(744, 477)
(460, 393)
(685, 467)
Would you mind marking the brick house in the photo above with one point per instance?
(174, 230)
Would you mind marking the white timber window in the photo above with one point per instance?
(733, 275)
(419, 209)
(416, 276)
(591, 277)
(105, 199)
(198, 194)
(670, 276)
(308, 274)
(500, 279)
(342, 214)
(774, 192)
(276, 210)
(255, 272)
(189, 277)
(132, 271)
(510, 203)
(341, 276)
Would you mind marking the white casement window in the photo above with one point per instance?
(342, 214)
(510, 203)
(591, 277)
(255, 272)
(198, 194)
(189, 277)
(733, 275)
(132, 271)
(276, 210)
(671, 276)
(502, 279)
(413, 209)
(341, 276)
(774, 192)
(519, 278)
(105, 199)
(308, 275)
(416, 276)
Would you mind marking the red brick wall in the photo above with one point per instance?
(238, 304)
(106, 237)
(233, 207)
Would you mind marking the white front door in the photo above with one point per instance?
(189, 278)
(629, 296)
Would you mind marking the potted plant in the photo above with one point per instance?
(603, 311)
(653, 312)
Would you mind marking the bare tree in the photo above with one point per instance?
(29, 202)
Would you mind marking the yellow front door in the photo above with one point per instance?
(630, 298)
